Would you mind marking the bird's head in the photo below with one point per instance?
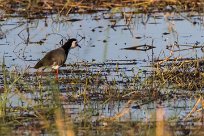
(70, 44)
(73, 43)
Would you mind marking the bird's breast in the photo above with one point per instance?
(55, 66)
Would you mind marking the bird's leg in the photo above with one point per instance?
(57, 72)
(41, 74)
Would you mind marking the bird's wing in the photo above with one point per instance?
(56, 57)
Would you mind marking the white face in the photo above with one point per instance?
(74, 44)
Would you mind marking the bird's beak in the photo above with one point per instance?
(79, 46)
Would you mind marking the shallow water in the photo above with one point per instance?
(21, 38)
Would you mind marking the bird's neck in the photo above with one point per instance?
(66, 49)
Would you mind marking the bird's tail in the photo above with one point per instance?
(38, 65)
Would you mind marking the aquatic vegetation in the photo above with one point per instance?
(180, 73)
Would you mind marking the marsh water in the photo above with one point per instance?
(115, 49)
(102, 37)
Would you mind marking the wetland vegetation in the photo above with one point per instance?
(140, 70)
